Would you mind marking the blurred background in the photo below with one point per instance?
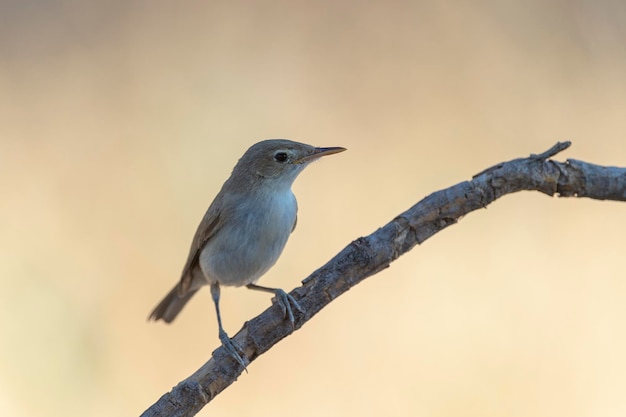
(119, 121)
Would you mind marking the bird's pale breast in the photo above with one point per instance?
(250, 242)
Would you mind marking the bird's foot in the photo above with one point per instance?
(232, 348)
(286, 301)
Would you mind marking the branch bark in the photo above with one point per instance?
(368, 255)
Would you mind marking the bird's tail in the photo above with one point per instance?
(170, 306)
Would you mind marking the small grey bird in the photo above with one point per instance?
(245, 229)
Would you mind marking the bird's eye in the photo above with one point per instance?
(281, 156)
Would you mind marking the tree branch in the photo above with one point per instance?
(366, 256)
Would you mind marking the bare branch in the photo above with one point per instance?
(368, 255)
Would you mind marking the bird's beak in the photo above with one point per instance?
(318, 153)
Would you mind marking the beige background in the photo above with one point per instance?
(120, 120)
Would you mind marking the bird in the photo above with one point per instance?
(244, 231)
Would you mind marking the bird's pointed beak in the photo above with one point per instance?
(318, 153)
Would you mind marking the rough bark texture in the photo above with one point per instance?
(368, 255)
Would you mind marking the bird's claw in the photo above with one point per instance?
(285, 301)
(232, 348)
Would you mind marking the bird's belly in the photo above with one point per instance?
(240, 253)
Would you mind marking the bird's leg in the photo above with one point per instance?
(285, 301)
(230, 346)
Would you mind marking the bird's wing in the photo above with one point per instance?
(210, 224)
